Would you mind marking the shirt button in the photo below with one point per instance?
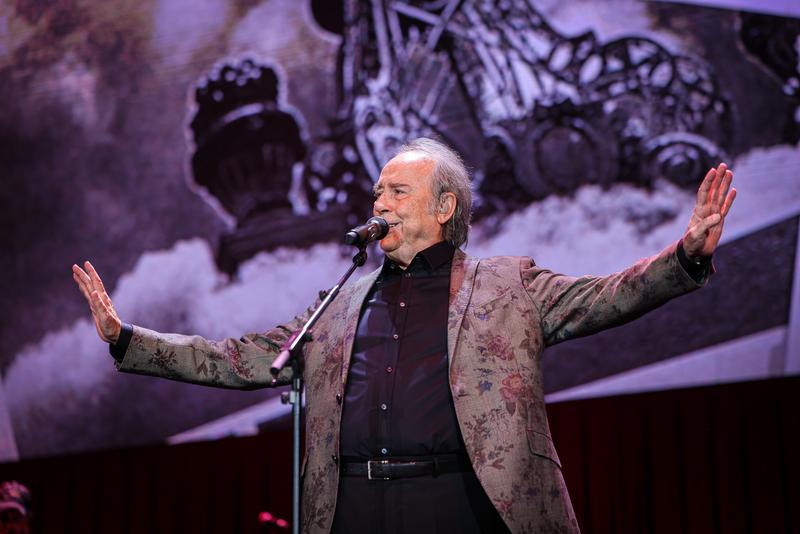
(396, 336)
(402, 304)
(384, 451)
(389, 369)
(335, 458)
(384, 407)
(338, 398)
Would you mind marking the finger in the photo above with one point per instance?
(84, 278)
(716, 186)
(81, 286)
(699, 230)
(84, 284)
(96, 281)
(702, 192)
(98, 308)
(107, 301)
(104, 320)
(709, 222)
(723, 189)
(105, 308)
(728, 202)
(90, 283)
(712, 220)
(81, 274)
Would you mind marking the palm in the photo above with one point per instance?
(713, 203)
(106, 320)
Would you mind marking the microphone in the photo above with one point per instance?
(374, 229)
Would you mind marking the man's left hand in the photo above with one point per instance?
(713, 203)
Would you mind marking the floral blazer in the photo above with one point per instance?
(503, 312)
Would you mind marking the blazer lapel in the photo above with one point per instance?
(462, 278)
(360, 290)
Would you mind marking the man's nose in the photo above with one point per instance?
(379, 207)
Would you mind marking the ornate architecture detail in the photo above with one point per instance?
(497, 81)
(247, 148)
(775, 43)
(245, 144)
(534, 112)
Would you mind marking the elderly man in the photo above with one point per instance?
(425, 402)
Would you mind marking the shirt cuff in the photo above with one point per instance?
(118, 349)
(697, 270)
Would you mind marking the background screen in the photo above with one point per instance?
(208, 155)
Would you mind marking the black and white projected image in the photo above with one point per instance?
(208, 155)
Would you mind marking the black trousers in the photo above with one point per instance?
(453, 502)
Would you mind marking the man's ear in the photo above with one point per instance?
(447, 207)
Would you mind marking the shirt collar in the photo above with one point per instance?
(433, 257)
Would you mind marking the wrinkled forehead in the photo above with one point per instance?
(411, 168)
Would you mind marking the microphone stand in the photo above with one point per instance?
(291, 353)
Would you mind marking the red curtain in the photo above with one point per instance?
(704, 460)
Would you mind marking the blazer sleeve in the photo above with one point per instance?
(572, 307)
(231, 363)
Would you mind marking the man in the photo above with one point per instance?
(425, 400)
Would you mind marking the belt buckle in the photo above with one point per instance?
(369, 469)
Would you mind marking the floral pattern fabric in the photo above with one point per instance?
(503, 312)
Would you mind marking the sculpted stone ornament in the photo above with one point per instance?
(495, 80)
(248, 147)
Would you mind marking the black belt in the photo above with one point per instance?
(390, 469)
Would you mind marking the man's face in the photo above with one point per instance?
(404, 198)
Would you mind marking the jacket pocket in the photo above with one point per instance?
(542, 445)
(488, 307)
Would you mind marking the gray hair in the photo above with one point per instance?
(450, 175)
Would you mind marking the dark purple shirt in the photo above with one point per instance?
(397, 401)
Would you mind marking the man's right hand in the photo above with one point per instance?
(106, 319)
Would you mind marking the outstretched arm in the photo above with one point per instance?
(242, 363)
(571, 307)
